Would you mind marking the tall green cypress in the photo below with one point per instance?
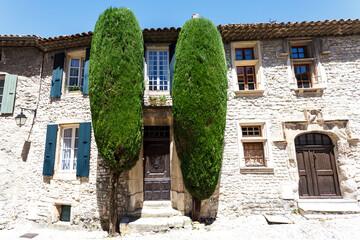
(116, 91)
(199, 107)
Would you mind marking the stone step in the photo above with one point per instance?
(328, 206)
(147, 212)
(157, 204)
(128, 225)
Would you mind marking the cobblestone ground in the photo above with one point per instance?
(253, 227)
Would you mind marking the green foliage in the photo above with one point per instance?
(199, 105)
(116, 87)
(74, 88)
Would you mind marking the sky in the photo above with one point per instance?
(51, 18)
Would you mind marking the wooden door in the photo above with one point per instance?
(156, 168)
(316, 165)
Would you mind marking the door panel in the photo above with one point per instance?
(316, 166)
(157, 170)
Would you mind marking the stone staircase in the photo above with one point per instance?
(155, 216)
(334, 208)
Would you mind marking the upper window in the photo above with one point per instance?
(247, 67)
(76, 74)
(158, 70)
(303, 76)
(298, 52)
(2, 83)
(244, 54)
(69, 149)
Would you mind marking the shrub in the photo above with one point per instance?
(116, 91)
(199, 105)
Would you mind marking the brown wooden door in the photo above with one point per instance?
(156, 165)
(317, 169)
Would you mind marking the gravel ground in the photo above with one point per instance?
(252, 227)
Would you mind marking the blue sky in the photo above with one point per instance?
(50, 18)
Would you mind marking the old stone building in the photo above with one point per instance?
(291, 140)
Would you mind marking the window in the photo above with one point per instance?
(158, 70)
(307, 74)
(69, 149)
(76, 74)
(253, 151)
(2, 83)
(244, 54)
(298, 52)
(246, 78)
(247, 67)
(303, 76)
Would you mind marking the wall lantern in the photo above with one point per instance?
(21, 118)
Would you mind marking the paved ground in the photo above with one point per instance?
(253, 227)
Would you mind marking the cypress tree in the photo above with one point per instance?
(116, 91)
(199, 107)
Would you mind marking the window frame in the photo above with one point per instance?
(147, 76)
(243, 55)
(246, 80)
(263, 138)
(256, 62)
(81, 69)
(72, 149)
(75, 54)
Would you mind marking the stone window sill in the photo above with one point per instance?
(309, 90)
(249, 93)
(256, 170)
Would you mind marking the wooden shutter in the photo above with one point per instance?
(85, 88)
(7, 104)
(50, 147)
(172, 63)
(57, 75)
(83, 156)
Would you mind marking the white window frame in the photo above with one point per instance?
(80, 55)
(268, 168)
(147, 80)
(256, 63)
(72, 155)
(2, 78)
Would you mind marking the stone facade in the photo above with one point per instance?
(283, 113)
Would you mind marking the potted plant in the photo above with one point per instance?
(163, 99)
(74, 88)
(153, 99)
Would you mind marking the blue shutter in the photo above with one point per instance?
(50, 147)
(172, 63)
(85, 88)
(83, 156)
(57, 75)
(8, 99)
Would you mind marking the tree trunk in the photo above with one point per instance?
(113, 221)
(196, 209)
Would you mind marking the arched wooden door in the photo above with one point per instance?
(316, 165)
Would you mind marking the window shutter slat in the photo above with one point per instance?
(85, 88)
(57, 75)
(7, 104)
(83, 156)
(50, 147)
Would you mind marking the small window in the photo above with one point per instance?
(253, 131)
(69, 149)
(303, 76)
(298, 52)
(65, 213)
(246, 77)
(158, 70)
(244, 54)
(2, 83)
(76, 74)
(254, 154)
